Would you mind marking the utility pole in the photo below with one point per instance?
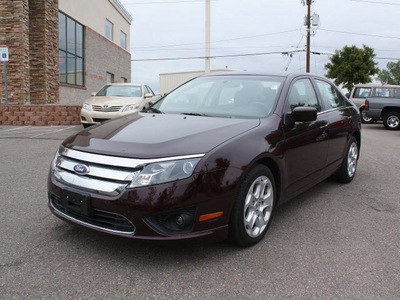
(308, 18)
(208, 33)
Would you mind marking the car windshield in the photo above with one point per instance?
(224, 96)
(121, 91)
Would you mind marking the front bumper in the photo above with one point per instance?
(130, 213)
(96, 117)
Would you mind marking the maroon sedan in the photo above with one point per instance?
(211, 160)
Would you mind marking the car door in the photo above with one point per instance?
(340, 116)
(306, 143)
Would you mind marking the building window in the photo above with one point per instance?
(70, 51)
(124, 80)
(110, 78)
(123, 40)
(109, 30)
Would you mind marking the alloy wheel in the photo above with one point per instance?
(258, 206)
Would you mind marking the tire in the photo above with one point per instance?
(364, 118)
(348, 168)
(392, 120)
(253, 208)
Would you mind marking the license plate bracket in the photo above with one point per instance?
(76, 202)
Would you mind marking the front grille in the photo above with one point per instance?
(112, 108)
(98, 218)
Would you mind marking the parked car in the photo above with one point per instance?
(360, 92)
(216, 158)
(387, 109)
(115, 100)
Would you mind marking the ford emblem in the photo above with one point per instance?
(81, 169)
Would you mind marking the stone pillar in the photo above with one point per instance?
(43, 49)
(14, 24)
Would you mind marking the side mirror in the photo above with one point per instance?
(93, 94)
(347, 95)
(303, 114)
(148, 95)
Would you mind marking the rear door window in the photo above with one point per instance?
(381, 92)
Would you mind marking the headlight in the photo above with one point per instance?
(56, 159)
(130, 107)
(86, 106)
(162, 172)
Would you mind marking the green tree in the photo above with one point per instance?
(392, 74)
(352, 65)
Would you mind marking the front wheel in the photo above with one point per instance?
(254, 204)
(392, 121)
(348, 168)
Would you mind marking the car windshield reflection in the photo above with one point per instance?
(223, 96)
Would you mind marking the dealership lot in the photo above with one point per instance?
(332, 242)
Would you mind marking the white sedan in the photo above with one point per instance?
(115, 100)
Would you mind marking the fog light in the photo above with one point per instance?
(183, 219)
(178, 221)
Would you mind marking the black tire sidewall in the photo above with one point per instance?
(387, 116)
(237, 232)
(343, 175)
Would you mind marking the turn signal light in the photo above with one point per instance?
(211, 216)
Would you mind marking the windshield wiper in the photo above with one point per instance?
(152, 109)
(204, 115)
(195, 114)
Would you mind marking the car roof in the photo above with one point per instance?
(125, 83)
(376, 85)
(247, 73)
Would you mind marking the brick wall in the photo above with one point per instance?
(14, 24)
(43, 49)
(40, 115)
(29, 28)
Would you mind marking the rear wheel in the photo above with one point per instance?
(253, 207)
(392, 120)
(364, 117)
(349, 165)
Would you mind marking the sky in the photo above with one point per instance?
(176, 29)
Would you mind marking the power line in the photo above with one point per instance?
(219, 56)
(218, 41)
(250, 54)
(375, 2)
(364, 34)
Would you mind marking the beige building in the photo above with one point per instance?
(60, 51)
(94, 39)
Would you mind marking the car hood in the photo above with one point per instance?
(146, 135)
(100, 100)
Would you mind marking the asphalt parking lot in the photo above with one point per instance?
(333, 242)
